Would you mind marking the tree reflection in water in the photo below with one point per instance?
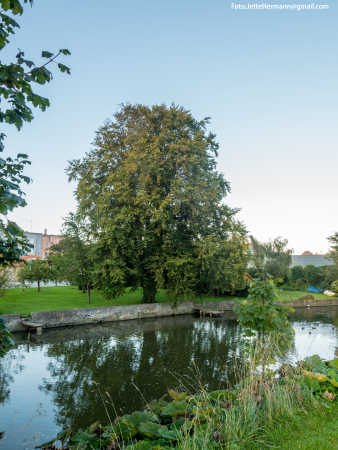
(10, 365)
(134, 368)
(134, 362)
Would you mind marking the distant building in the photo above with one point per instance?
(48, 240)
(34, 239)
(41, 244)
(307, 258)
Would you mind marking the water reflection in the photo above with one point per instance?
(138, 367)
(62, 377)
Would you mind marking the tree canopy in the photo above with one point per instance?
(151, 195)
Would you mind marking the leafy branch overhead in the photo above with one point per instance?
(17, 101)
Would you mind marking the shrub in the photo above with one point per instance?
(334, 286)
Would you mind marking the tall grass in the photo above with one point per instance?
(260, 402)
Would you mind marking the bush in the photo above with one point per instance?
(313, 274)
(334, 286)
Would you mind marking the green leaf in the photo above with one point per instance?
(46, 54)
(64, 51)
(64, 68)
(137, 417)
(155, 430)
(175, 408)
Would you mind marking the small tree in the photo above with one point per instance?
(35, 271)
(75, 255)
(57, 267)
(264, 319)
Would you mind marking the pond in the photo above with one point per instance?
(75, 376)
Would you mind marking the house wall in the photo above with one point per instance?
(48, 240)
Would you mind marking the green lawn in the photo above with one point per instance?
(315, 430)
(25, 301)
(289, 296)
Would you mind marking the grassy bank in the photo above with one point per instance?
(25, 301)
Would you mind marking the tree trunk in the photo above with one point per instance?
(149, 289)
(88, 291)
(38, 285)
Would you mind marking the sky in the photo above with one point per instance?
(267, 79)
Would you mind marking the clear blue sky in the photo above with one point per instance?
(268, 79)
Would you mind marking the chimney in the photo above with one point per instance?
(45, 232)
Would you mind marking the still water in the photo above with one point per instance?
(75, 376)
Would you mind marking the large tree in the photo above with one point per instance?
(151, 194)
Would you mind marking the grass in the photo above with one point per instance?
(289, 296)
(315, 430)
(25, 301)
(279, 413)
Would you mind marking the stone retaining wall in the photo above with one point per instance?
(52, 319)
(13, 322)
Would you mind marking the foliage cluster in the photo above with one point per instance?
(17, 97)
(259, 312)
(271, 259)
(321, 277)
(321, 376)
